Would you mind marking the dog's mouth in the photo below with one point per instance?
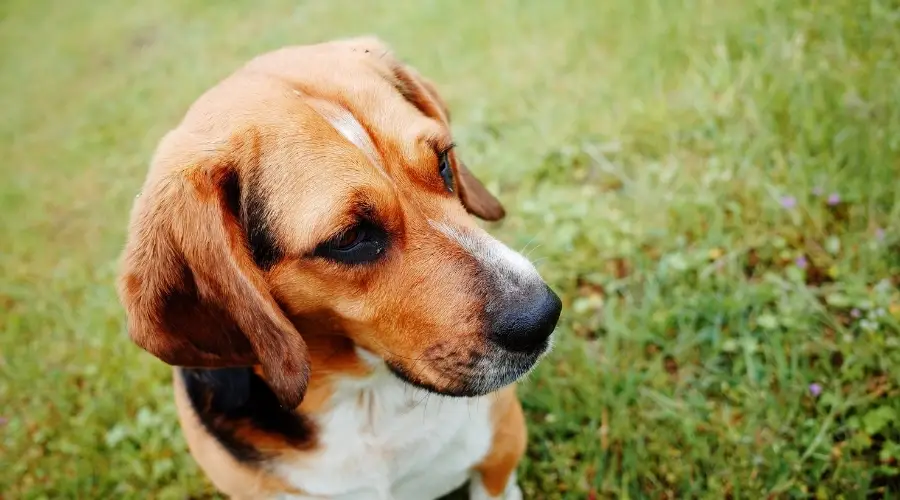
(474, 377)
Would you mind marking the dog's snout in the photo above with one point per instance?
(526, 325)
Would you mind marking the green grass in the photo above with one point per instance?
(644, 150)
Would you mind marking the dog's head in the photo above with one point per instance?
(318, 190)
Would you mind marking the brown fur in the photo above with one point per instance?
(195, 297)
(192, 292)
(508, 445)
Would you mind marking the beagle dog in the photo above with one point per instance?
(303, 253)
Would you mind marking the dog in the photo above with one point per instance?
(304, 254)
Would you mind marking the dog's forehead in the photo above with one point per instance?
(350, 150)
(359, 81)
(346, 124)
(338, 129)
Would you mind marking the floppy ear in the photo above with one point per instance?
(424, 95)
(191, 290)
(476, 198)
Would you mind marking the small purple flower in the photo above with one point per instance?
(818, 191)
(801, 262)
(834, 199)
(815, 389)
(3, 420)
(879, 234)
(788, 202)
(856, 313)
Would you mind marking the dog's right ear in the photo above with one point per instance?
(192, 292)
(423, 94)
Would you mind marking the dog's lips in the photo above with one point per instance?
(486, 374)
(403, 375)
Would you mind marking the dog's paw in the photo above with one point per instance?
(477, 491)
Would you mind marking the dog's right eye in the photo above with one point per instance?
(359, 244)
(350, 238)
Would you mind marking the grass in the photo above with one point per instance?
(710, 185)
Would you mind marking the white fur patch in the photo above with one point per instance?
(349, 127)
(384, 439)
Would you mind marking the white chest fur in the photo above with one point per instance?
(384, 439)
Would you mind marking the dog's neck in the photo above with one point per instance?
(384, 431)
(340, 370)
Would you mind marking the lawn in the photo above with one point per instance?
(711, 186)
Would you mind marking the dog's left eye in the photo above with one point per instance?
(445, 170)
(359, 244)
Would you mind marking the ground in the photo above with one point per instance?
(711, 186)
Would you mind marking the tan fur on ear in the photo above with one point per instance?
(191, 291)
(477, 199)
(422, 93)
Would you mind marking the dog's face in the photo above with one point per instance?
(318, 192)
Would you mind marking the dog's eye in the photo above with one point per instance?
(359, 244)
(350, 238)
(445, 170)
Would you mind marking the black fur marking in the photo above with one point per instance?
(263, 245)
(244, 201)
(231, 189)
(227, 398)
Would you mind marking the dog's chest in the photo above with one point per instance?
(383, 439)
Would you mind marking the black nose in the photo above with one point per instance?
(525, 325)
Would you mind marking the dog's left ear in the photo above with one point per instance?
(193, 295)
(424, 95)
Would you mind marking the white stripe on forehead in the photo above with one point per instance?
(348, 126)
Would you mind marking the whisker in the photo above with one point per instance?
(532, 250)
(526, 244)
(537, 261)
